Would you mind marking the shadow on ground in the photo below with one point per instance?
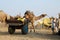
(33, 35)
(6, 33)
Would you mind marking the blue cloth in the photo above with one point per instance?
(52, 25)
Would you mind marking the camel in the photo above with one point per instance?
(33, 18)
(3, 16)
(17, 16)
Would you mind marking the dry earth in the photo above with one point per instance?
(40, 34)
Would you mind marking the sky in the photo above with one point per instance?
(14, 7)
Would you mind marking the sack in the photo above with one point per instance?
(21, 19)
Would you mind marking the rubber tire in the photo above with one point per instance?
(25, 29)
(11, 30)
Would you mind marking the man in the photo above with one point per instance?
(56, 25)
(53, 24)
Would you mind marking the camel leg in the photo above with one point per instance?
(33, 27)
(30, 30)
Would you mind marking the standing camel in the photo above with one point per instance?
(33, 18)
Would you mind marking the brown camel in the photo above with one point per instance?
(33, 18)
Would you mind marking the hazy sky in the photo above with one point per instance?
(14, 7)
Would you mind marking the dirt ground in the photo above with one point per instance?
(40, 34)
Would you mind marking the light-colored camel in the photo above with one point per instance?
(3, 16)
(33, 18)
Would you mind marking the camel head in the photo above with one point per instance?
(28, 14)
(41, 16)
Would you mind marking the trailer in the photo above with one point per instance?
(17, 24)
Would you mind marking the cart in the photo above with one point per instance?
(16, 24)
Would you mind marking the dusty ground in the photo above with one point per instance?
(38, 35)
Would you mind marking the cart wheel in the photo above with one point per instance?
(25, 29)
(11, 30)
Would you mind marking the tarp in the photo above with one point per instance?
(47, 21)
